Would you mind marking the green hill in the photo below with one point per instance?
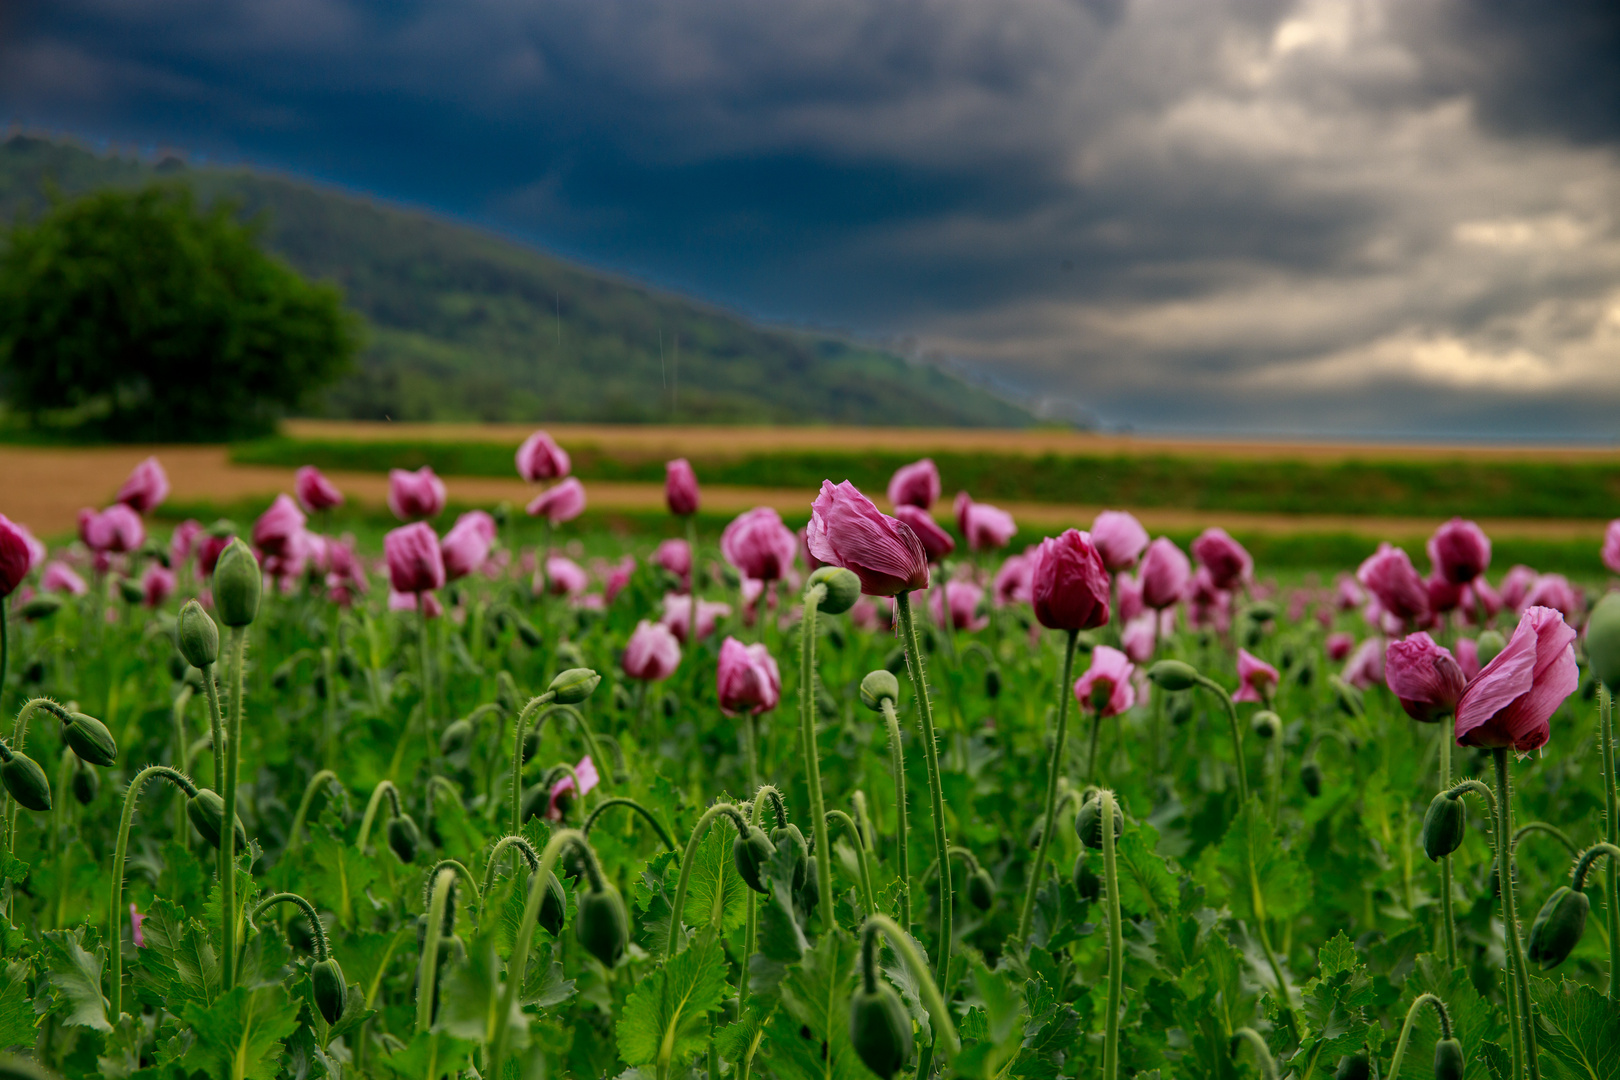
(465, 325)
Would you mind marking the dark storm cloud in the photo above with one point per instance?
(1296, 214)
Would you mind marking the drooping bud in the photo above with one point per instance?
(574, 686)
(1310, 776)
(26, 782)
(981, 889)
(130, 591)
(1173, 675)
(456, 736)
(90, 740)
(1086, 881)
(879, 686)
(1266, 724)
(41, 606)
(1444, 826)
(404, 838)
(749, 851)
(1449, 1063)
(207, 813)
(1088, 823)
(237, 584)
(553, 905)
(794, 839)
(601, 923)
(880, 1029)
(86, 783)
(331, 992)
(843, 588)
(1603, 640)
(1353, 1067)
(1558, 927)
(992, 682)
(1488, 645)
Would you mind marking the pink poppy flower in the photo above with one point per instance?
(425, 602)
(1611, 546)
(1468, 658)
(146, 488)
(277, 526)
(1389, 576)
(1257, 679)
(759, 545)
(1424, 676)
(917, 485)
(414, 562)
(563, 793)
(467, 544)
(1129, 590)
(985, 527)
(1514, 697)
(965, 597)
(747, 679)
(559, 503)
(1120, 539)
(678, 616)
(1229, 565)
(675, 555)
(314, 491)
(1140, 637)
(1164, 574)
(566, 576)
(618, 576)
(847, 530)
(1068, 583)
(1365, 668)
(415, 495)
(114, 530)
(59, 577)
(540, 458)
(935, 541)
(1011, 585)
(184, 539)
(681, 488)
(157, 585)
(652, 652)
(1516, 585)
(16, 555)
(1460, 551)
(1106, 687)
(1555, 591)
(1339, 646)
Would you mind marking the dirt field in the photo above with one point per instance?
(44, 488)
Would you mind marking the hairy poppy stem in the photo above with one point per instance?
(1054, 766)
(1524, 1028)
(1116, 946)
(115, 914)
(1611, 876)
(227, 832)
(1406, 1028)
(897, 765)
(812, 754)
(925, 716)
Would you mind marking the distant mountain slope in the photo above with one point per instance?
(468, 326)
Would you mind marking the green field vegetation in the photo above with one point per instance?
(464, 325)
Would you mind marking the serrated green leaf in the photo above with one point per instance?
(1473, 1020)
(431, 1055)
(714, 892)
(240, 1034)
(334, 874)
(1262, 879)
(665, 1019)
(178, 964)
(808, 1038)
(17, 1019)
(739, 1041)
(1579, 1032)
(121, 1054)
(75, 975)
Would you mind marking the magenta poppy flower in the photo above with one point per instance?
(415, 495)
(466, 546)
(60, 577)
(681, 488)
(1555, 591)
(1129, 590)
(985, 527)
(209, 549)
(675, 555)
(414, 562)
(1365, 668)
(1140, 637)
(747, 679)
(1106, 686)
(115, 529)
(1468, 658)
(1339, 646)
(617, 577)
(563, 793)
(277, 526)
(759, 545)
(136, 934)
(1611, 546)
(1389, 576)
(157, 585)
(1068, 583)
(1164, 574)
(425, 602)
(559, 503)
(16, 555)
(935, 541)
(314, 491)
(343, 568)
(184, 539)
(1227, 561)
(1347, 595)
(1516, 585)
(916, 484)
(964, 607)
(566, 576)
(1256, 678)
(1478, 595)
(1444, 595)
(847, 530)
(146, 488)
(1516, 694)
(1120, 539)
(1460, 551)
(652, 652)
(1011, 585)
(678, 616)
(540, 458)
(1424, 676)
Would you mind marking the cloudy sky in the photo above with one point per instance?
(1329, 216)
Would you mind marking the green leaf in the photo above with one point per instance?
(740, 1041)
(1146, 884)
(1334, 1003)
(808, 1038)
(1580, 1031)
(1279, 886)
(17, 1019)
(471, 995)
(76, 978)
(240, 1034)
(431, 1055)
(121, 1056)
(1473, 1020)
(714, 893)
(998, 1038)
(544, 985)
(665, 1018)
(177, 964)
(335, 875)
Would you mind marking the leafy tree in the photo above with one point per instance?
(148, 318)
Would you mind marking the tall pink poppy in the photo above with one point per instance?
(1227, 561)
(985, 527)
(681, 490)
(1425, 677)
(415, 495)
(747, 678)
(314, 491)
(1120, 539)
(414, 562)
(652, 652)
(759, 545)
(1257, 679)
(848, 530)
(1164, 574)
(935, 540)
(1514, 697)
(916, 484)
(559, 503)
(146, 488)
(1106, 686)
(1460, 551)
(540, 458)
(1068, 583)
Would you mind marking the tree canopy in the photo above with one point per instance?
(139, 315)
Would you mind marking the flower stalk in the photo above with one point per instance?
(115, 907)
(1526, 1062)
(925, 716)
(813, 596)
(1053, 768)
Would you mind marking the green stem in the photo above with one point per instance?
(1054, 768)
(812, 754)
(663, 834)
(1584, 865)
(1262, 1052)
(925, 716)
(928, 989)
(296, 836)
(5, 647)
(323, 949)
(227, 833)
(688, 858)
(519, 730)
(860, 855)
(1406, 1029)
(427, 686)
(524, 849)
(1448, 922)
(428, 969)
(1096, 731)
(897, 766)
(115, 934)
(1606, 709)
(384, 788)
(1525, 1042)
(1116, 945)
(1237, 733)
(182, 756)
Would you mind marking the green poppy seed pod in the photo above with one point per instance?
(90, 740)
(981, 889)
(601, 924)
(749, 851)
(1558, 927)
(794, 839)
(456, 736)
(879, 686)
(331, 992)
(1353, 1067)
(843, 588)
(1444, 826)
(1088, 823)
(404, 837)
(528, 633)
(880, 1029)
(1266, 724)
(553, 905)
(1310, 775)
(1086, 882)
(1489, 644)
(1448, 1060)
(207, 812)
(1603, 640)
(26, 782)
(1173, 675)
(40, 607)
(574, 686)
(992, 682)
(86, 783)
(237, 584)
(130, 591)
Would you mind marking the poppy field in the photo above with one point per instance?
(878, 795)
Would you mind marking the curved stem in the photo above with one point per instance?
(523, 847)
(769, 793)
(619, 800)
(1612, 834)
(1542, 827)
(1116, 946)
(1237, 733)
(322, 947)
(216, 723)
(702, 826)
(461, 869)
(519, 730)
(928, 989)
(428, 969)
(1510, 918)
(1262, 1052)
(812, 754)
(296, 836)
(1588, 857)
(1054, 766)
(1406, 1029)
(925, 716)
(860, 855)
(115, 934)
(227, 834)
(897, 766)
(387, 788)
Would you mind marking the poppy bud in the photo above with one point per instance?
(1310, 775)
(981, 889)
(601, 924)
(237, 584)
(26, 782)
(42, 606)
(1173, 675)
(1088, 823)
(809, 895)
(90, 739)
(843, 588)
(794, 839)
(553, 905)
(1558, 927)
(992, 682)
(528, 633)
(131, 591)
(455, 736)
(880, 1029)
(331, 992)
(1353, 1067)
(879, 686)
(1488, 645)
(1266, 724)
(1086, 881)
(1603, 640)
(86, 783)
(207, 812)
(1448, 1060)
(1443, 827)
(403, 837)
(749, 851)
(573, 686)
